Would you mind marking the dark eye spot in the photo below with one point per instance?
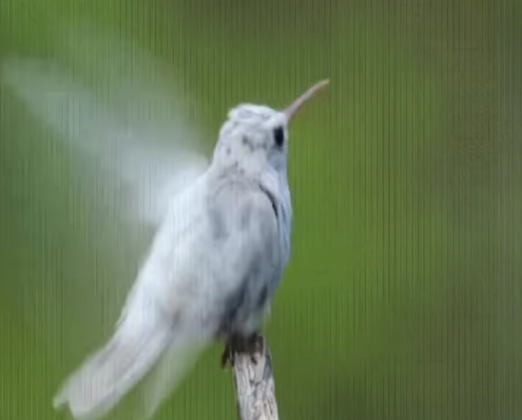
(279, 136)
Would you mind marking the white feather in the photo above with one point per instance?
(162, 317)
(105, 377)
(138, 135)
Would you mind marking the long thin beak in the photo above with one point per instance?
(291, 110)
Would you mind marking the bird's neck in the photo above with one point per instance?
(276, 183)
(273, 182)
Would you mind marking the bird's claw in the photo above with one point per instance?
(253, 346)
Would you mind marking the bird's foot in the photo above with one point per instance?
(255, 347)
(252, 346)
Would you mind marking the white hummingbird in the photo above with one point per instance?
(222, 239)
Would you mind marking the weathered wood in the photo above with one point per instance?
(253, 381)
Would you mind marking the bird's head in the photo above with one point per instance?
(254, 138)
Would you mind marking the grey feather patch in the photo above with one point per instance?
(263, 297)
(218, 224)
(233, 304)
(247, 143)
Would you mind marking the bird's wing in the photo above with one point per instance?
(158, 316)
(119, 110)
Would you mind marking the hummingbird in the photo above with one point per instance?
(216, 259)
(214, 265)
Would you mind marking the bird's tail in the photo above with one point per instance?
(174, 364)
(105, 377)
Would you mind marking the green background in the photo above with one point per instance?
(402, 299)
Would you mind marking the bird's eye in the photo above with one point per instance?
(279, 136)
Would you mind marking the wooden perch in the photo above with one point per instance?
(253, 380)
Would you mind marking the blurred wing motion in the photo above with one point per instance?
(139, 142)
(138, 136)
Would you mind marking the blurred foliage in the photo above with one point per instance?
(392, 304)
